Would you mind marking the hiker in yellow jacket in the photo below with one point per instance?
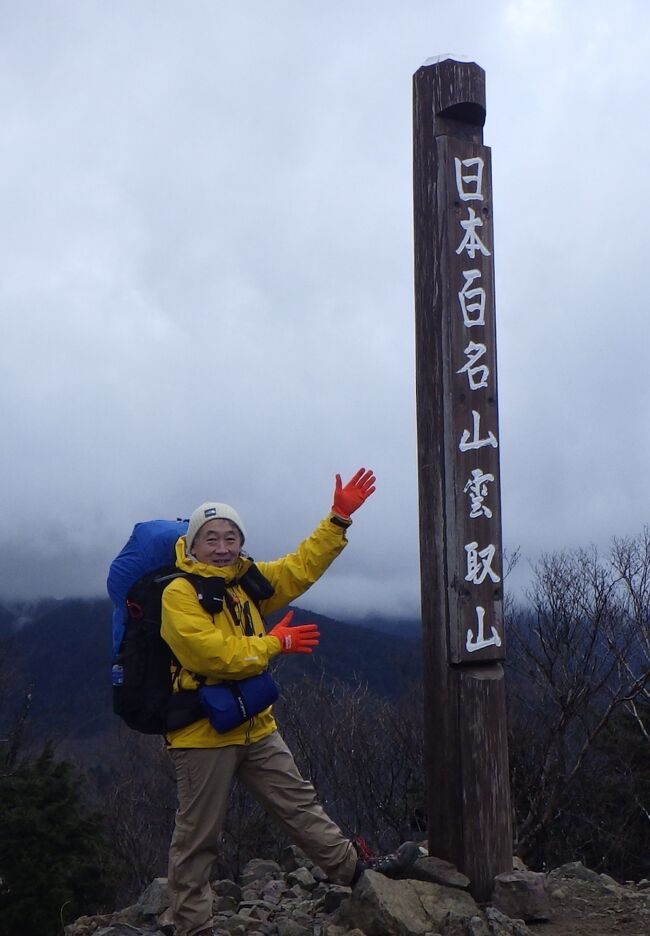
(231, 645)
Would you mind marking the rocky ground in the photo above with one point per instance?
(295, 899)
(583, 903)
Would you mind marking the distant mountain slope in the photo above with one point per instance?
(62, 649)
(400, 627)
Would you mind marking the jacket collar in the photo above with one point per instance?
(188, 563)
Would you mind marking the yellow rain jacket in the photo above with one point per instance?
(214, 645)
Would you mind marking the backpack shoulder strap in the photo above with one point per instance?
(209, 591)
(257, 586)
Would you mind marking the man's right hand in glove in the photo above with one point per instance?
(298, 639)
(349, 497)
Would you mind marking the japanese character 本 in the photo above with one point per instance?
(475, 181)
(472, 644)
(479, 564)
(477, 374)
(473, 311)
(474, 441)
(471, 242)
(477, 489)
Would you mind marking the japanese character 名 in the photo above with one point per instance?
(481, 641)
(479, 564)
(476, 181)
(466, 294)
(471, 242)
(476, 487)
(477, 374)
(474, 441)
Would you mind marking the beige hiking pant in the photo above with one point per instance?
(267, 769)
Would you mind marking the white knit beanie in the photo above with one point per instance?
(211, 511)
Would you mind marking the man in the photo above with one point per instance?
(233, 645)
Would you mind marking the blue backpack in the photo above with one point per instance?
(144, 668)
(151, 546)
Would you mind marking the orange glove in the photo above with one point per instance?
(298, 639)
(349, 498)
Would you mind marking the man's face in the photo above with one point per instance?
(217, 543)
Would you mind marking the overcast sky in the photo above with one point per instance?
(206, 274)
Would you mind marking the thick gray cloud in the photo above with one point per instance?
(206, 274)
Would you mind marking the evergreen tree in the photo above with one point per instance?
(53, 857)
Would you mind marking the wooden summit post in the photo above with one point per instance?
(466, 752)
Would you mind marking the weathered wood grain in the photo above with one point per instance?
(458, 435)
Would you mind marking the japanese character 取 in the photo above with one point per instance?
(479, 564)
(476, 181)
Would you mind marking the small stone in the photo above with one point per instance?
(609, 881)
(227, 888)
(258, 868)
(334, 897)
(293, 858)
(274, 889)
(118, 929)
(257, 909)
(303, 877)
(267, 929)
(221, 904)
(292, 928)
(321, 889)
(333, 929)
(129, 915)
(165, 921)
(476, 926)
(239, 925)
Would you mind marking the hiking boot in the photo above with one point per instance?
(394, 865)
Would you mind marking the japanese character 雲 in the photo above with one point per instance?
(477, 489)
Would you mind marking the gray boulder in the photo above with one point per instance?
(155, 899)
(522, 895)
(379, 905)
(575, 869)
(502, 925)
(438, 871)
